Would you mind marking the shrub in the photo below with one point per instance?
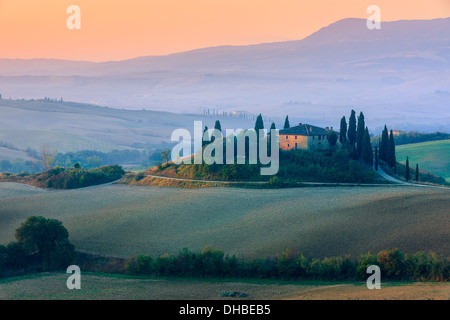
(392, 264)
(142, 264)
(290, 265)
(275, 181)
(139, 176)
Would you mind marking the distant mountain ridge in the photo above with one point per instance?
(400, 68)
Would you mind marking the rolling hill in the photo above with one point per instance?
(71, 127)
(395, 74)
(124, 220)
(433, 156)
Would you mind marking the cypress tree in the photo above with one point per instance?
(360, 134)
(391, 160)
(269, 138)
(217, 126)
(286, 123)
(384, 144)
(204, 143)
(376, 158)
(351, 133)
(343, 131)
(417, 172)
(407, 169)
(366, 149)
(259, 124)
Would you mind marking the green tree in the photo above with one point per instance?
(366, 148)
(286, 123)
(376, 158)
(332, 138)
(360, 134)
(259, 124)
(407, 169)
(49, 238)
(165, 155)
(391, 160)
(417, 172)
(269, 138)
(384, 144)
(218, 126)
(204, 142)
(351, 133)
(47, 157)
(343, 131)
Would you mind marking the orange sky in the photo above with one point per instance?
(121, 29)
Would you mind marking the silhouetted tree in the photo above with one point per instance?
(417, 172)
(343, 131)
(259, 124)
(360, 134)
(366, 148)
(217, 126)
(269, 138)
(407, 169)
(384, 144)
(286, 123)
(391, 160)
(204, 142)
(351, 134)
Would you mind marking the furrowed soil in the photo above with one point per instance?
(124, 220)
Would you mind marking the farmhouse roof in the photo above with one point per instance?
(304, 129)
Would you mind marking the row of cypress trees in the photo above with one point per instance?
(356, 136)
(387, 148)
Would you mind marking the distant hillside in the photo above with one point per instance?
(416, 137)
(397, 73)
(431, 156)
(72, 127)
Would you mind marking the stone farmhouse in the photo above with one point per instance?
(306, 137)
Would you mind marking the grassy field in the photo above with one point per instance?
(124, 220)
(102, 286)
(433, 156)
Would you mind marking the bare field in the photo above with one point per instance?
(98, 287)
(12, 189)
(123, 220)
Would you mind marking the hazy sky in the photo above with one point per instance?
(121, 29)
